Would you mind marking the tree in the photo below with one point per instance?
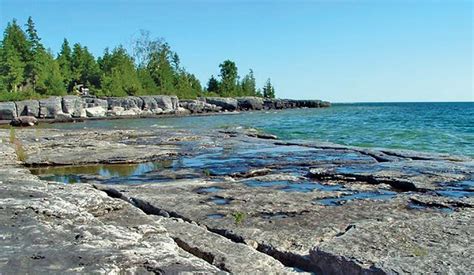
(248, 85)
(65, 64)
(229, 79)
(85, 69)
(212, 85)
(161, 70)
(36, 54)
(14, 53)
(119, 76)
(268, 90)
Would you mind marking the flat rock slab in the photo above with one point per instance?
(53, 228)
(303, 204)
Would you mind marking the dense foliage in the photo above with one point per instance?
(29, 70)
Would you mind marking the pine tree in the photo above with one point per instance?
(161, 69)
(268, 90)
(13, 57)
(248, 85)
(119, 76)
(212, 85)
(64, 60)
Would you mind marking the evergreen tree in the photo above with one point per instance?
(248, 85)
(213, 85)
(64, 61)
(161, 69)
(229, 79)
(119, 76)
(85, 69)
(13, 57)
(36, 55)
(268, 90)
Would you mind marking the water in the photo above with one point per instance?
(431, 127)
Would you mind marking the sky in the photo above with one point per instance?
(341, 51)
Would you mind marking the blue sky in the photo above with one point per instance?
(342, 51)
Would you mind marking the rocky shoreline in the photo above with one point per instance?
(229, 201)
(69, 108)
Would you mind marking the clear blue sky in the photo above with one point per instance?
(342, 51)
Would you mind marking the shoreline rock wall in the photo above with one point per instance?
(71, 107)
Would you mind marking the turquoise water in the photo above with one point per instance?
(432, 127)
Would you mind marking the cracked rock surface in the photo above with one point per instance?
(234, 200)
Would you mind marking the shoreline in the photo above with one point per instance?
(70, 108)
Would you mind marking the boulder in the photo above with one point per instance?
(226, 103)
(50, 107)
(198, 106)
(150, 104)
(27, 108)
(7, 110)
(24, 121)
(97, 111)
(94, 102)
(73, 105)
(250, 103)
(127, 103)
(167, 103)
(62, 117)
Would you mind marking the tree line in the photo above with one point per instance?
(29, 70)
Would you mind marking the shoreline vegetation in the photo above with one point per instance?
(29, 70)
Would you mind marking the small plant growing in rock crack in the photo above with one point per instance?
(12, 135)
(19, 150)
(239, 217)
(206, 172)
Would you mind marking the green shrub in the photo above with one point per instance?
(239, 217)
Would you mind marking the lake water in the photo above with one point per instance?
(432, 127)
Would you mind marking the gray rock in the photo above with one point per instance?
(50, 107)
(24, 121)
(250, 103)
(198, 106)
(73, 105)
(94, 102)
(7, 110)
(97, 111)
(166, 103)
(226, 103)
(127, 103)
(27, 108)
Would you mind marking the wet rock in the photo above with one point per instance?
(97, 111)
(45, 229)
(24, 121)
(226, 103)
(28, 108)
(7, 110)
(73, 105)
(50, 107)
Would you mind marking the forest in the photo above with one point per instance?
(30, 70)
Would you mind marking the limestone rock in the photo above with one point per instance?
(97, 111)
(226, 103)
(7, 110)
(27, 108)
(24, 121)
(50, 107)
(250, 103)
(73, 105)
